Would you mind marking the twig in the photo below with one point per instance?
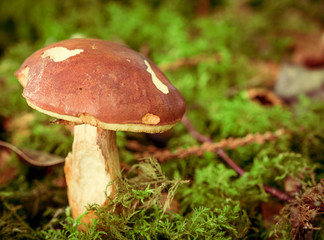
(193, 132)
(276, 193)
(221, 153)
(202, 138)
(207, 146)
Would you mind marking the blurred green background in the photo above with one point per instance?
(231, 42)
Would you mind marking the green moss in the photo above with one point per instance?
(136, 212)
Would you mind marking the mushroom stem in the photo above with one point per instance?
(93, 163)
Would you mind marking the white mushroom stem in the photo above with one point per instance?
(93, 163)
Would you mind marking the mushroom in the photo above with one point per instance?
(100, 87)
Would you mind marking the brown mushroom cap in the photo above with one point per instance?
(100, 83)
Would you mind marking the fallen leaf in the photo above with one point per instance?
(269, 212)
(264, 97)
(33, 157)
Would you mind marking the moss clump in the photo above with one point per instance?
(137, 212)
(298, 216)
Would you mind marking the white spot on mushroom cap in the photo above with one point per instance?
(23, 76)
(58, 54)
(157, 82)
(151, 119)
